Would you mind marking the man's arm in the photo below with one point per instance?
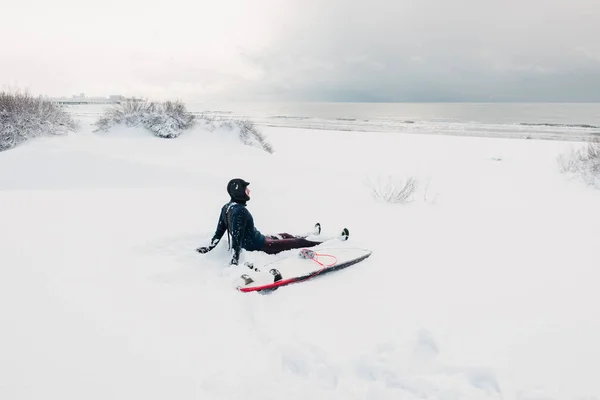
(238, 222)
(219, 232)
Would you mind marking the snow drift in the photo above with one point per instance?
(487, 293)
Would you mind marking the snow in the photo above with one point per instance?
(483, 287)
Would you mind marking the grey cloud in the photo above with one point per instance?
(377, 50)
(435, 50)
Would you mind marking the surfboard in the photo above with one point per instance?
(303, 265)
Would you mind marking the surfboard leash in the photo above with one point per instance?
(312, 255)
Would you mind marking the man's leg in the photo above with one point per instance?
(285, 241)
(288, 236)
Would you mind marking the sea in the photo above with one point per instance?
(552, 121)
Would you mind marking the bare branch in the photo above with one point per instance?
(394, 190)
(584, 162)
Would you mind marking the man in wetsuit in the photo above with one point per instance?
(239, 224)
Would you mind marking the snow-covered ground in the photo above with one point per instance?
(484, 287)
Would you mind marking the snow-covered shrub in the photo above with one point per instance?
(170, 119)
(250, 136)
(246, 131)
(23, 117)
(584, 162)
(393, 189)
(166, 120)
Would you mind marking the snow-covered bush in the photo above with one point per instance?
(584, 162)
(250, 136)
(170, 119)
(393, 189)
(166, 120)
(23, 117)
(246, 131)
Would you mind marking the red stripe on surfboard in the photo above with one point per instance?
(284, 281)
(270, 285)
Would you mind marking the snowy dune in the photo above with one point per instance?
(484, 287)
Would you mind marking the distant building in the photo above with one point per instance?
(82, 99)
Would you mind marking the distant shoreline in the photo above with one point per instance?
(574, 123)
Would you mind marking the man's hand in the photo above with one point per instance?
(213, 244)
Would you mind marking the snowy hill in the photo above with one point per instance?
(483, 287)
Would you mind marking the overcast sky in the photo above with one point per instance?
(322, 50)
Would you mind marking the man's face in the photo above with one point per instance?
(248, 191)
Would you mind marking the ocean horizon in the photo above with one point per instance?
(554, 121)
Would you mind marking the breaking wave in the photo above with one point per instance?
(288, 117)
(560, 125)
